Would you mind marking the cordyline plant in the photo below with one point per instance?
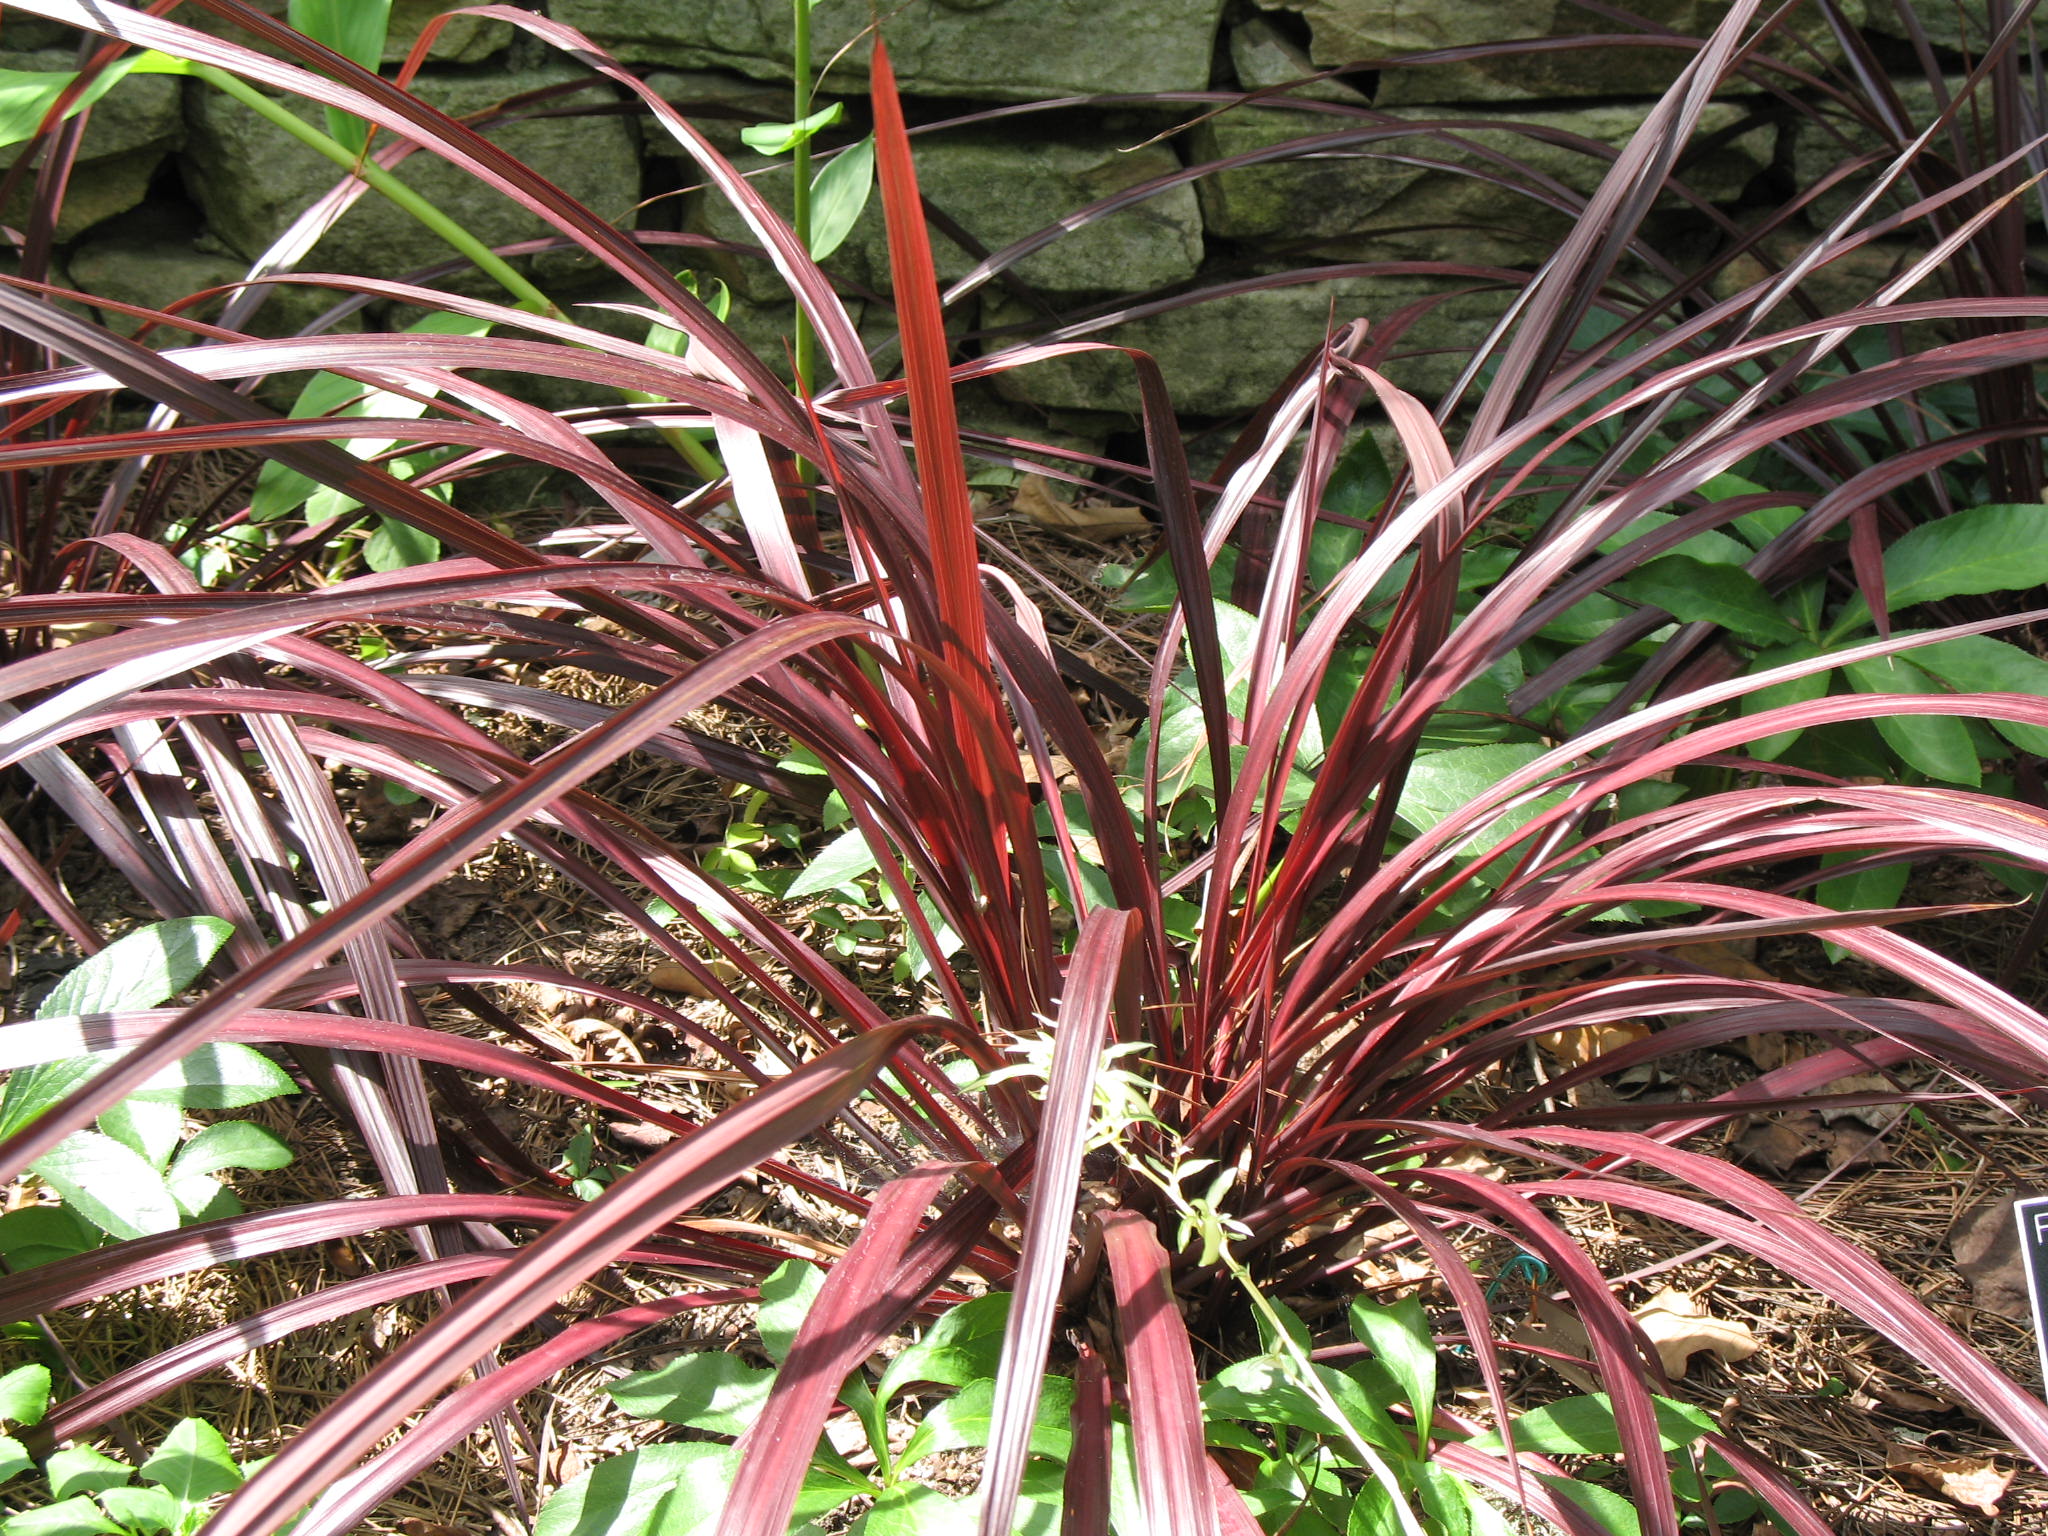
(1311, 978)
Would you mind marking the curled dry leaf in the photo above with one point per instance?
(1986, 1245)
(1576, 1047)
(1101, 521)
(1550, 1327)
(669, 976)
(1969, 1481)
(1681, 1327)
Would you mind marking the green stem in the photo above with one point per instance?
(385, 184)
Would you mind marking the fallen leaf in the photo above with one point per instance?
(1969, 1481)
(1681, 1327)
(1727, 960)
(1771, 1051)
(669, 976)
(1102, 521)
(1549, 1326)
(1876, 1116)
(1782, 1142)
(1986, 1245)
(1576, 1047)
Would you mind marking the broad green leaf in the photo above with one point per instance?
(1584, 1426)
(1868, 891)
(1759, 527)
(142, 1509)
(1373, 1514)
(32, 1090)
(68, 1517)
(912, 1509)
(280, 490)
(227, 1144)
(108, 1184)
(1985, 549)
(354, 29)
(676, 1490)
(1980, 664)
(780, 138)
(219, 1076)
(1398, 1333)
(965, 1343)
(1261, 1391)
(846, 858)
(1938, 745)
(81, 1469)
(704, 1390)
(150, 1129)
(14, 1458)
(1698, 592)
(1800, 690)
(193, 1463)
(42, 1234)
(1358, 486)
(141, 970)
(839, 192)
(25, 1394)
(1613, 1511)
(962, 1421)
(786, 1297)
(1442, 782)
(398, 546)
(1710, 547)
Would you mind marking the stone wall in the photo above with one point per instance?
(178, 187)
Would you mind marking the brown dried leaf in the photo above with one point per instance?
(1969, 1481)
(1727, 960)
(1771, 1051)
(1037, 502)
(1681, 1327)
(1986, 1245)
(1781, 1142)
(1550, 1326)
(1576, 1047)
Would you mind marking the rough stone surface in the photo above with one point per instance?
(1403, 206)
(1262, 56)
(252, 181)
(717, 105)
(1818, 152)
(1000, 190)
(1228, 354)
(1006, 50)
(156, 265)
(464, 40)
(131, 129)
(1353, 31)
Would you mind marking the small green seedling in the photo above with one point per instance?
(139, 1173)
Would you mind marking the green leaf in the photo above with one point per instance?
(43, 1234)
(14, 1458)
(1980, 664)
(676, 1490)
(226, 1144)
(1584, 1426)
(912, 1509)
(1613, 1511)
(781, 138)
(1442, 782)
(963, 1420)
(151, 1130)
(1373, 1514)
(1710, 547)
(26, 95)
(142, 1509)
(219, 1076)
(25, 1394)
(1865, 892)
(141, 970)
(1262, 1391)
(70, 1517)
(193, 1463)
(1985, 549)
(839, 193)
(843, 860)
(354, 29)
(1398, 1333)
(965, 1343)
(110, 1185)
(397, 546)
(1800, 690)
(786, 1297)
(81, 1469)
(1695, 591)
(1938, 745)
(705, 1390)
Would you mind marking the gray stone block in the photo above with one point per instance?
(1374, 189)
(464, 40)
(129, 132)
(1353, 31)
(1227, 355)
(1007, 50)
(1822, 146)
(156, 267)
(1000, 188)
(252, 181)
